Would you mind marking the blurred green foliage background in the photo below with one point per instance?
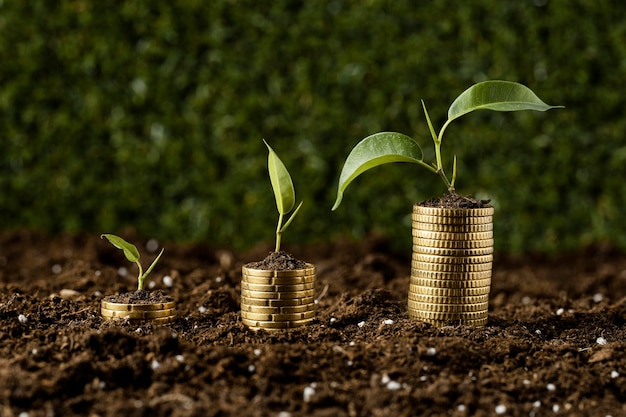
(151, 114)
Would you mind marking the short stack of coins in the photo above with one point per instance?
(277, 299)
(451, 265)
(159, 313)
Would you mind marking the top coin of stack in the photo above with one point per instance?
(277, 299)
(451, 267)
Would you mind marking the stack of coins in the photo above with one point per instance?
(451, 265)
(161, 313)
(274, 300)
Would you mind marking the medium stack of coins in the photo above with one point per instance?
(160, 313)
(274, 300)
(451, 265)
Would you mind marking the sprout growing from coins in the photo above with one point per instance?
(386, 147)
(132, 254)
(284, 193)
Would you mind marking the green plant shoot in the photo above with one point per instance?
(284, 192)
(386, 147)
(132, 254)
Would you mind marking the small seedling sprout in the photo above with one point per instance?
(132, 254)
(284, 192)
(385, 147)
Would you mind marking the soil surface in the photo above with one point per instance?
(554, 345)
(454, 200)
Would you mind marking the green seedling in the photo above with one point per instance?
(386, 147)
(132, 254)
(284, 192)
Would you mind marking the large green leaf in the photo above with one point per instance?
(377, 149)
(130, 251)
(498, 96)
(282, 185)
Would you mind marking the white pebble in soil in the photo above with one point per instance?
(601, 341)
(202, 309)
(388, 322)
(614, 374)
(361, 324)
(155, 364)
(598, 297)
(56, 269)
(551, 387)
(308, 393)
(22, 318)
(122, 271)
(168, 281)
(431, 351)
(500, 409)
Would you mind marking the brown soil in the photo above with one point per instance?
(454, 200)
(140, 297)
(278, 261)
(554, 345)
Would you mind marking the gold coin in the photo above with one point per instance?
(442, 323)
(140, 315)
(159, 320)
(452, 260)
(453, 212)
(448, 308)
(452, 244)
(305, 279)
(454, 276)
(426, 234)
(449, 288)
(440, 299)
(137, 307)
(437, 315)
(429, 266)
(269, 325)
(287, 273)
(426, 250)
(277, 295)
(454, 228)
(293, 302)
(278, 310)
(421, 218)
(277, 288)
(277, 317)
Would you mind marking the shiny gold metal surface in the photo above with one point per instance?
(138, 314)
(277, 288)
(455, 228)
(452, 260)
(454, 276)
(434, 267)
(453, 212)
(305, 279)
(448, 308)
(449, 236)
(290, 273)
(436, 315)
(136, 307)
(426, 286)
(427, 250)
(275, 325)
(452, 244)
(421, 218)
(440, 299)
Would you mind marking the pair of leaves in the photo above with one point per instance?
(132, 254)
(387, 147)
(284, 193)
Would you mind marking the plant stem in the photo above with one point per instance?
(440, 170)
(140, 278)
(279, 232)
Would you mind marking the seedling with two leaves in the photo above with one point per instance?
(132, 254)
(386, 147)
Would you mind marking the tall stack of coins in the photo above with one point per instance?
(160, 313)
(277, 299)
(451, 265)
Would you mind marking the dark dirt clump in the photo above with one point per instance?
(278, 261)
(140, 297)
(454, 200)
(555, 343)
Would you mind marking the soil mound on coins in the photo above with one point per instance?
(278, 261)
(454, 200)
